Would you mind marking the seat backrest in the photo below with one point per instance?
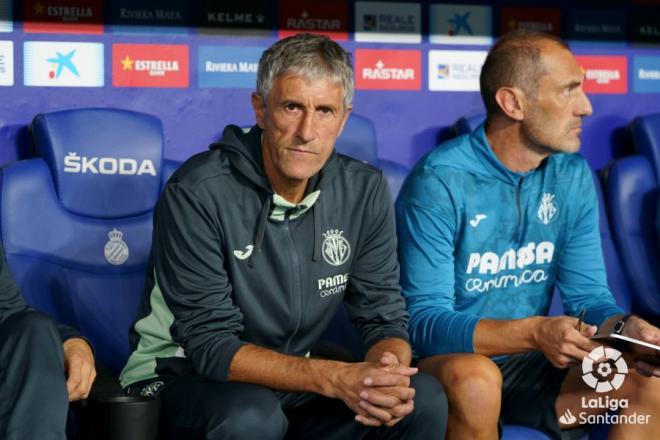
(358, 139)
(467, 124)
(646, 139)
(77, 220)
(632, 192)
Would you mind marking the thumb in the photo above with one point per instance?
(589, 330)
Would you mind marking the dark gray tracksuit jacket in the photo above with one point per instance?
(233, 263)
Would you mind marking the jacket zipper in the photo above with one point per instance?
(296, 288)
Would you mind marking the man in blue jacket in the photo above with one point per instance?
(256, 244)
(489, 224)
(42, 367)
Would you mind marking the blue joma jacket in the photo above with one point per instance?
(477, 240)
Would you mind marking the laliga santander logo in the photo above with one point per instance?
(602, 380)
(599, 381)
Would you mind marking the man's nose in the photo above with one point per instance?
(306, 127)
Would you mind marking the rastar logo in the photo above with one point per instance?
(149, 14)
(604, 74)
(388, 69)
(327, 18)
(305, 22)
(517, 261)
(149, 65)
(63, 16)
(73, 163)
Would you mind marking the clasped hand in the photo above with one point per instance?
(379, 393)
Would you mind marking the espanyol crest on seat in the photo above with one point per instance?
(77, 220)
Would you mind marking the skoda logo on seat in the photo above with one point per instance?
(336, 248)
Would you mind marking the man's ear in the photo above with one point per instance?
(259, 106)
(511, 102)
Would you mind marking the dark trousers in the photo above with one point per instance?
(193, 408)
(33, 396)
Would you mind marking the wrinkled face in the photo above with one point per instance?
(553, 120)
(300, 122)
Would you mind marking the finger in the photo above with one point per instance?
(588, 330)
(387, 380)
(561, 361)
(74, 377)
(388, 397)
(649, 333)
(646, 369)
(367, 421)
(85, 384)
(387, 359)
(380, 399)
(403, 410)
(374, 411)
(393, 422)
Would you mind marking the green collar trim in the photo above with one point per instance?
(282, 206)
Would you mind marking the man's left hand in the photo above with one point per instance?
(385, 402)
(638, 328)
(79, 368)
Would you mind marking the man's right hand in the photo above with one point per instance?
(378, 394)
(558, 338)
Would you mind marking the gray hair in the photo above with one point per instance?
(310, 56)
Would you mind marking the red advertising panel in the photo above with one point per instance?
(604, 74)
(533, 19)
(63, 16)
(150, 65)
(388, 69)
(329, 18)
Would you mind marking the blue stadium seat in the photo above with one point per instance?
(632, 193)
(77, 220)
(359, 141)
(646, 139)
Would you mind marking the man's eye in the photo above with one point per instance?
(325, 110)
(291, 107)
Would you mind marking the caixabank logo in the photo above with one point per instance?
(63, 64)
(329, 18)
(604, 74)
(387, 69)
(150, 65)
(461, 24)
(63, 16)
